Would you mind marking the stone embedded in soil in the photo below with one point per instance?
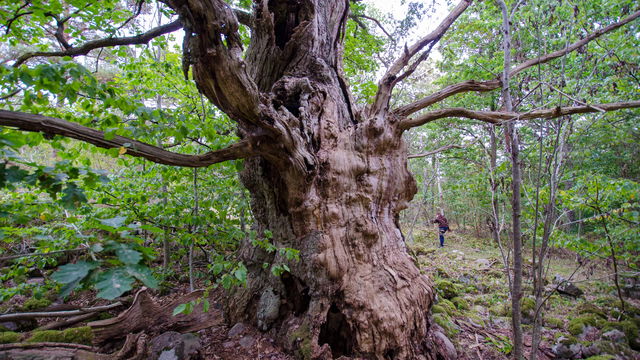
(173, 345)
(445, 344)
(237, 329)
(247, 341)
(566, 287)
(615, 336)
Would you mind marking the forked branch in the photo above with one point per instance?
(393, 76)
(499, 117)
(53, 126)
(483, 86)
(85, 48)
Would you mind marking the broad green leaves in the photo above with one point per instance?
(70, 273)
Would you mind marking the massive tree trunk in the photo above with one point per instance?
(330, 181)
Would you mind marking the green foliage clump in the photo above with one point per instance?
(447, 289)
(460, 303)
(80, 335)
(577, 325)
(448, 306)
(35, 304)
(588, 308)
(500, 310)
(437, 309)
(7, 337)
(601, 357)
(527, 304)
(553, 323)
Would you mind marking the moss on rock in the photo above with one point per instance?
(553, 323)
(35, 304)
(630, 330)
(588, 308)
(302, 336)
(601, 357)
(460, 303)
(445, 322)
(577, 325)
(447, 289)
(448, 306)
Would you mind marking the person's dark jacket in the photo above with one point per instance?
(441, 220)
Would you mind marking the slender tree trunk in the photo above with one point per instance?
(513, 147)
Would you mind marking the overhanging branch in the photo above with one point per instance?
(483, 86)
(436, 151)
(85, 48)
(53, 126)
(498, 117)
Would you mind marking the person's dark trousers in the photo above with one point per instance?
(443, 229)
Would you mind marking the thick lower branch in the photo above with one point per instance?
(85, 48)
(53, 126)
(498, 117)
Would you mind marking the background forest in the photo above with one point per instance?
(88, 226)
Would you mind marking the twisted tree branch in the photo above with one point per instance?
(499, 117)
(483, 86)
(85, 48)
(53, 126)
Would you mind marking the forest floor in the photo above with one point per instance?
(472, 308)
(473, 305)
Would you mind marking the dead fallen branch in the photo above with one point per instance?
(43, 314)
(68, 322)
(148, 316)
(134, 348)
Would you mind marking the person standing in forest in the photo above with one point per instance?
(443, 227)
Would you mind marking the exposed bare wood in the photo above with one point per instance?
(44, 314)
(145, 314)
(85, 48)
(489, 85)
(68, 322)
(38, 345)
(436, 151)
(214, 50)
(53, 126)
(498, 117)
(465, 86)
(390, 78)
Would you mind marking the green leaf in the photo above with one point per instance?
(113, 283)
(70, 273)
(143, 274)
(179, 309)
(114, 222)
(126, 254)
(73, 196)
(241, 273)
